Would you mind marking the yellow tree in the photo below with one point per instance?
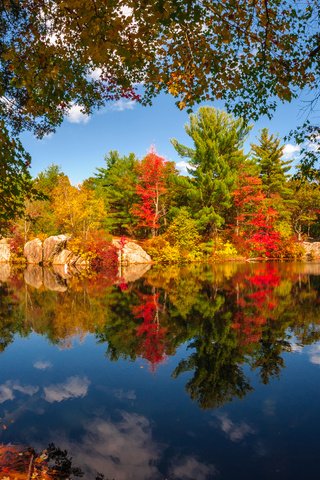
(77, 210)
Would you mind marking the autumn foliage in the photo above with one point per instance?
(151, 188)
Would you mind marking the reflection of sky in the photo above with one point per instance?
(129, 423)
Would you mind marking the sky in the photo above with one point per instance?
(81, 142)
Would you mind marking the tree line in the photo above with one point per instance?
(230, 203)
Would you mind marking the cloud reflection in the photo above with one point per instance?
(123, 449)
(314, 354)
(42, 365)
(236, 432)
(189, 468)
(73, 387)
(8, 388)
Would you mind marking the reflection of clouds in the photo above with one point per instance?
(269, 407)
(234, 431)
(42, 365)
(125, 395)
(73, 387)
(314, 354)
(7, 390)
(123, 450)
(189, 468)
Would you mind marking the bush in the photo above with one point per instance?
(180, 243)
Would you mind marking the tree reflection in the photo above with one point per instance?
(229, 316)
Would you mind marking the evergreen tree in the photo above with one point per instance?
(116, 183)
(214, 163)
(273, 169)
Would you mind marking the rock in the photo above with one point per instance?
(33, 251)
(5, 252)
(5, 272)
(312, 249)
(65, 257)
(131, 273)
(131, 253)
(53, 281)
(52, 246)
(33, 276)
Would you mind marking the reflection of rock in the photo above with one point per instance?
(33, 276)
(33, 251)
(131, 273)
(52, 246)
(5, 251)
(132, 253)
(5, 271)
(312, 249)
(54, 282)
(65, 257)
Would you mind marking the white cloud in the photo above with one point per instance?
(7, 390)
(182, 166)
(234, 431)
(125, 11)
(295, 347)
(290, 151)
(75, 115)
(73, 387)
(189, 468)
(42, 365)
(96, 73)
(123, 104)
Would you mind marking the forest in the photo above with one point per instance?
(230, 205)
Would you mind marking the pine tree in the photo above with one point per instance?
(214, 163)
(273, 169)
(116, 184)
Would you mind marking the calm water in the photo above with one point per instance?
(192, 373)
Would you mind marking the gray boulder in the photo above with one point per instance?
(33, 251)
(52, 246)
(131, 253)
(65, 257)
(5, 251)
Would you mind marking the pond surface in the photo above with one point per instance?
(192, 373)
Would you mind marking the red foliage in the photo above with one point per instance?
(255, 307)
(152, 346)
(255, 219)
(105, 253)
(152, 185)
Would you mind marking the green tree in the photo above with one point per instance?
(15, 180)
(54, 55)
(214, 164)
(116, 184)
(268, 155)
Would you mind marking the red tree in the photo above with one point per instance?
(151, 188)
(255, 219)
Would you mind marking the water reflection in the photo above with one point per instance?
(230, 316)
(225, 322)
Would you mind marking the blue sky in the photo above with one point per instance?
(80, 143)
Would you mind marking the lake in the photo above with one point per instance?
(199, 372)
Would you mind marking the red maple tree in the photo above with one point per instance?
(151, 188)
(255, 218)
